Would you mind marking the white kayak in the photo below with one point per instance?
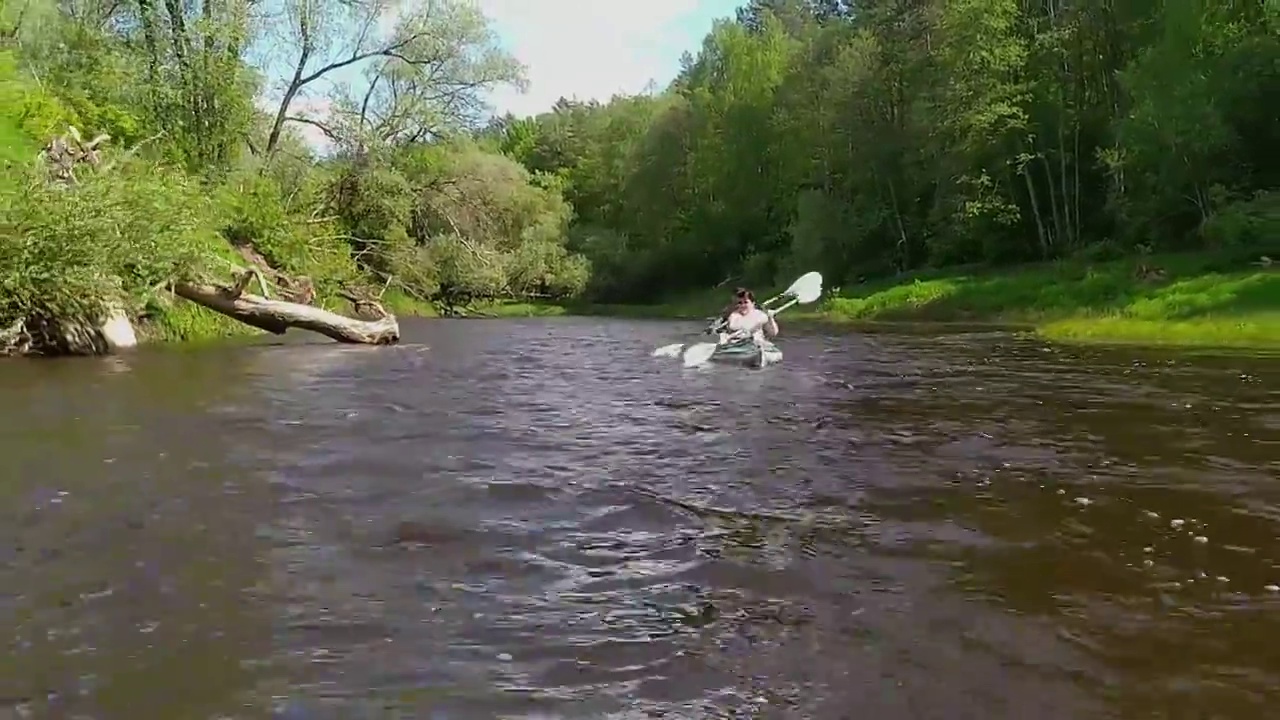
(748, 353)
(745, 351)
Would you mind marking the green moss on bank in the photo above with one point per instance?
(182, 321)
(1199, 300)
(1261, 330)
(401, 304)
(516, 309)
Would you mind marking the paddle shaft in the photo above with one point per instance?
(784, 306)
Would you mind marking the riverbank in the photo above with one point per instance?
(1185, 301)
(1188, 300)
(1174, 300)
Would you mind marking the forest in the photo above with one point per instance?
(349, 144)
(884, 136)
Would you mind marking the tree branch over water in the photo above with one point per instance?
(378, 327)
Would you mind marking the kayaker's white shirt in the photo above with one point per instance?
(754, 322)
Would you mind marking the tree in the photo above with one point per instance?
(422, 66)
(891, 135)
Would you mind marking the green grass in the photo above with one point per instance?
(695, 305)
(1201, 301)
(517, 309)
(1256, 331)
(399, 303)
(178, 320)
(1194, 287)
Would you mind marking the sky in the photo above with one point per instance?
(583, 49)
(593, 49)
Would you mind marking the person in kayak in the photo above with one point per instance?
(749, 319)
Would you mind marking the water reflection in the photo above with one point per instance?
(513, 518)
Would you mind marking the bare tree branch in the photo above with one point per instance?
(430, 72)
(322, 127)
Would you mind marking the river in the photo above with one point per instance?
(535, 519)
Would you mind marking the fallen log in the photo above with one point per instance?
(276, 316)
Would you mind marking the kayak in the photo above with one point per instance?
(806, 289)
(748, 353)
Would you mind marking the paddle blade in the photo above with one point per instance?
(671, 351)
(699, 354)
(807, 288)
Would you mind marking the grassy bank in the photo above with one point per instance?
(1190, 300)
(1183, 300)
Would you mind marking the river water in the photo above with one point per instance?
(535, 519)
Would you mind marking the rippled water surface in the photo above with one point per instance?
(535, 519)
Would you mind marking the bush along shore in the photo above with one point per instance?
(1112, 168)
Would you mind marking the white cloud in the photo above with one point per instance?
(592, 49)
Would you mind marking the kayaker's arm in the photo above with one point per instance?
(721, 322)
(771, 327)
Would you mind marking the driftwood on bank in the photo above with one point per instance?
(62, 154)
(375, 326)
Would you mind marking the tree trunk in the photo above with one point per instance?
(1041, 231)
(277, 316)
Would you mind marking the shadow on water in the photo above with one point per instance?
(534, 518)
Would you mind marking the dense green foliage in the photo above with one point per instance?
(876, 137)
(865, 139)
(206, 167)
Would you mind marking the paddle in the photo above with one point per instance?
(804, 290)
(672, 350)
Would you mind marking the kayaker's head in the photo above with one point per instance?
(743, 301)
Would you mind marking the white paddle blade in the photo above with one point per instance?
(807, 288)
(669, 351)
(699, 354)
